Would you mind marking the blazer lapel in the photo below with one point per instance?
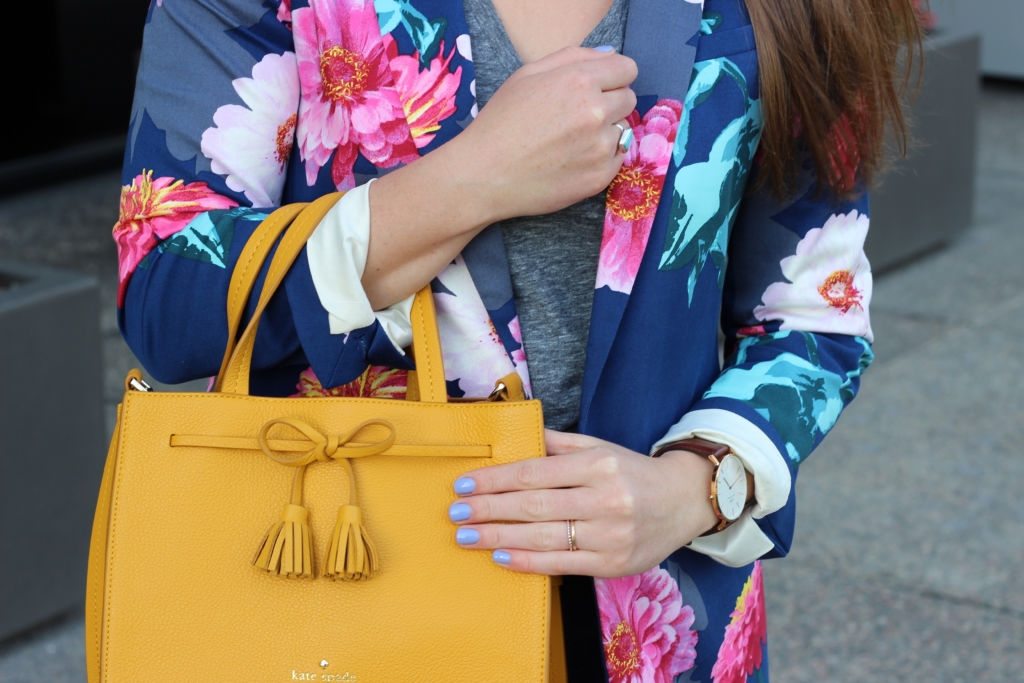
(661, 35)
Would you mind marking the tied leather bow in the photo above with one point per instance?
(287, 548)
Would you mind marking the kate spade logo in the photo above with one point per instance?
(346, 677)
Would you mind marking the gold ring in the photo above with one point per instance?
(570, 531)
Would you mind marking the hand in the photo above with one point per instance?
(547, 138)
(631, 511)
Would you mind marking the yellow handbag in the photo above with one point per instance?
(359, 578)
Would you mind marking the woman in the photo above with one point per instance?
(574, 206)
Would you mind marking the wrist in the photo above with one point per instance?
(689, 475)
(472, 181)
(731, 485)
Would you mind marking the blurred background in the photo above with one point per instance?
(909, 558)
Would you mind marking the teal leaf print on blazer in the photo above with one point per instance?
(710, 22)
(208, 236)
(426, 33)
(707, 194)
(805, 398)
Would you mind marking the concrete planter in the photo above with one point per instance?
(928, 198)
(51, 440)
(998, 21)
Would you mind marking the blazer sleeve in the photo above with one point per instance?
(797, 337)
(210, 154)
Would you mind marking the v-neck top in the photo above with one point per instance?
(552, 258)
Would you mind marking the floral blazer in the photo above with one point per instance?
(243, 105)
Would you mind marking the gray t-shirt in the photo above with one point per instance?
(552, 258)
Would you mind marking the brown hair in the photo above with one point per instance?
(833, 79)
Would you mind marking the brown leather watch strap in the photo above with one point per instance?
(715, 452)
(695, 445)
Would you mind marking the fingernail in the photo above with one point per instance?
(605, 48)
(464, 486)
(467, 536)
(459, 512)
(501, 557)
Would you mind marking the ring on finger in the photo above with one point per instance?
(570, 532)
(625, 138)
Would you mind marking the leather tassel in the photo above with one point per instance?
(287, 549)
(351, 556)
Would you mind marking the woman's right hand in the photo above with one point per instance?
(547, 138)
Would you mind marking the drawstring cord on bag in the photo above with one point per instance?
(287, 548)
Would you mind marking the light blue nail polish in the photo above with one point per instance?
(459, 512)
(464, 486)
(501, 557)
(605, 48)
(467, 536)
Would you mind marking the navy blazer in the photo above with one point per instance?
(241, 107)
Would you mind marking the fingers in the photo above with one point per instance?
(605, 70)
(618, 104)
(579, 563)
(526, 506)
(534, 473)
(564, 57)
(582, 457)
(611, 73)
(540, 536)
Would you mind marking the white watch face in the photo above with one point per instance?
(732, 487)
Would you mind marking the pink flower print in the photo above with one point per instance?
(752, 331)
(349, 100)
(284, 12)
(645, 627)
(251, 146)
(474, 355)
(519, 355)
(633, 195)
(153, 210)
(741, 651)
(428, 95)
(376, 381)
(829, 281)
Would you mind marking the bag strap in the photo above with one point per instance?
(247, 269)
(426, 341)
(426, 383)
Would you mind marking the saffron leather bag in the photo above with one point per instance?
(359, 578)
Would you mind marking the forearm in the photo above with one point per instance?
(421, 217)
(545, 141)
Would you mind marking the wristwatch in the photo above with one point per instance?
(728, 480)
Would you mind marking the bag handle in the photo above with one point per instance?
(255, 252)
(426, 342)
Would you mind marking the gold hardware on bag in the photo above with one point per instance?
(508, 388)
(286, 550)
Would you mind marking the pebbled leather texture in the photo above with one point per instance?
(187, 496)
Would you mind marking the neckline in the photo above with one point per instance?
(493, 16)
